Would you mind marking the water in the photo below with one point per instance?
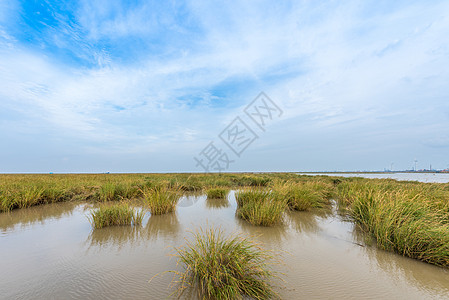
(50, 252)
(422, 177)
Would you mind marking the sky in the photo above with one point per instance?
(147, 86)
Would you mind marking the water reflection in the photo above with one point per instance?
(33, 215)
(166, 226)
(425, 276)
(361, 237)
(267, 235)
(117, 236)
(190, 199)
(217, 203)
(163, 226)
(302, 222)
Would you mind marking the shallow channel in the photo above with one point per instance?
(51, 252)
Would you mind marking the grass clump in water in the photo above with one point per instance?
(118, 214)
(304, 196)
(217, 193)
(161, 200)
(225, 267)
(260, 207)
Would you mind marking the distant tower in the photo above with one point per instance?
(415, 163)
(391, 168)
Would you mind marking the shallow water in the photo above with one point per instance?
(421, 177)
(51, 252)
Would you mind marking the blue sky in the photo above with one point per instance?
(144, 86)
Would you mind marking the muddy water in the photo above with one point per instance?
(50, 252)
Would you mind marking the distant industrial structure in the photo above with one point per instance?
(415, 169)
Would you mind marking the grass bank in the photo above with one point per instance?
(408, 218)
(26, 190)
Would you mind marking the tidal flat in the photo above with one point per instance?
(332, 248)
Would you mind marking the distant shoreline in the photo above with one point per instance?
(235, 172)
(374, 172)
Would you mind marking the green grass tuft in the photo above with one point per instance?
(217, 193)
(117, 192)
(118, 214)
(304, 196)
(225, 267)
(161, 200)
(259, 207)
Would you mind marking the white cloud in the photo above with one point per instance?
(334, 66)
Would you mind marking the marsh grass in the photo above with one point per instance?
(251, 180)
(6, 201)
(409, 219)
(189, 184)
(117, 192)
(22, 197)
(217, 193)
(117, 214)
(29, 197)
(54, 194)
(161, 200)
(217, 203)
(260, 207)
(225, 267)
(26, 190)
(304, 196)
